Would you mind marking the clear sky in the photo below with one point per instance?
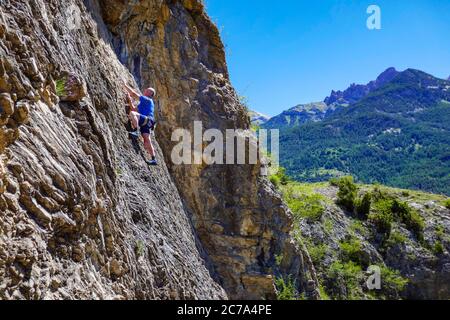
(282, 53)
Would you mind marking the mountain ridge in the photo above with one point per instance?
(356, 91)
(257, 118)
(336, 100)
(396, 135)
(298, 115)
(318, 111)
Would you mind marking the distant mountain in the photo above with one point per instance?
(398, 134)
(357, 91)
(318, 111)
(257, 118)
(298, 115)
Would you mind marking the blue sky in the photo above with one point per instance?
(282, 53)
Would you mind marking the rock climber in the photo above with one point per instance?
(142, 117)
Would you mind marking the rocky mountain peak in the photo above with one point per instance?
(357, 91)
(298, 115)
(258, 118)
(386, 76)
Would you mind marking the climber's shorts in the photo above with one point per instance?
(146, 124)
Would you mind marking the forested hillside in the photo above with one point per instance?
(398, 135)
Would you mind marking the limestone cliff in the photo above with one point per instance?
(81, 215)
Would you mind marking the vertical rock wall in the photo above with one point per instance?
(174, 47)
(81, 215)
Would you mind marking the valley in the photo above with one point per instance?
(394, 131)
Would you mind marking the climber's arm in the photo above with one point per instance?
(133, 93)
(130, 103)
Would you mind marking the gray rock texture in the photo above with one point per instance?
(81, 215)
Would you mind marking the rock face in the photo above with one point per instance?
(81, 215)
(173, 46)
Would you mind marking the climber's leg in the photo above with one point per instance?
(148, 145)
(134, 119)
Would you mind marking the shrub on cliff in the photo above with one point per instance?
(438, 248)
(393, 283)
(363, 206)
(352, 250)
(343, 280)
(285, 289)
(347, 193)
(304, 206)
(275, 180)
(382, 217)
(447, 203)
(413, 221)
(279, 178)
(388, 209)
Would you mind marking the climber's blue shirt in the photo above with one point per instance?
(146, 107)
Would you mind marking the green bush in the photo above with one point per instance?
(396, 238)
(387, 209)
(440, 232)
(352, 251)
(280, 178)
(379, 193)
(279, 259)
(347, 193)
(334, 182)
(317, 252)
(328, 225)
(323, 293)
(392, 282)
(61, 87)
(308, 207)
(438, 248)
(413, 221)
(275, 180)
(285, 289)
(363, 206)
(447, 203)
(345, 276)
(284, 179)
(382, 217)
(358, 227)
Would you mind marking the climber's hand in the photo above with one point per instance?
(134, 94)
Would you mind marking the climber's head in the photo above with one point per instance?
(150, 92)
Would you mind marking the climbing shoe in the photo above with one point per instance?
(134, 133)
(152, 162)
